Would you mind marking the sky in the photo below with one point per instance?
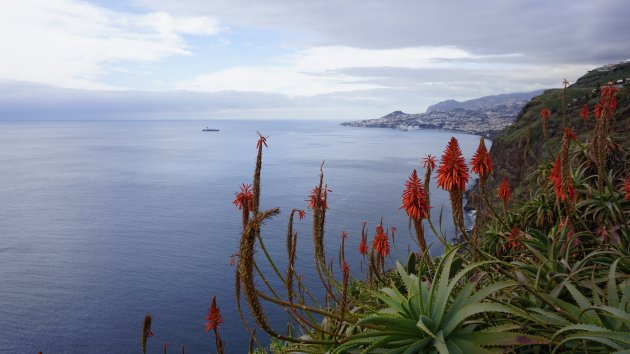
(291, 59)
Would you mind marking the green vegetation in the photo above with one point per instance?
(546, 272)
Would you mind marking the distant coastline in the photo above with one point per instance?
(486, 116)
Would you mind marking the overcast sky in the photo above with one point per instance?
(174, 59)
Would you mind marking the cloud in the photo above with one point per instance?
(71, 43)
(323, 70)
(562, 31)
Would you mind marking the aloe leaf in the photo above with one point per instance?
(473, 309)
(489, 339)
(468, 347)
(611, 287)
(418, 346)
(399, 324)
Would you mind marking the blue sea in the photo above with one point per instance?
(102, 222)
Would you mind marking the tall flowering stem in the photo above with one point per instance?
(514, 238)
(545, 113)
(567, 185)
(146, 332)
(428, 162)
(504, 192)
(244, 201)
(584, 113)
(603, 113)
(380, 245)
(452, 177)
(416, 205)
(481, 164)
(262, 141)
(565, 121)
(213, 321)
(363, 247)
(291, 251)
(318, 202)
(345, 269)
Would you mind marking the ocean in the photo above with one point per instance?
(102, 222)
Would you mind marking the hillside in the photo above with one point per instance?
(509, 99)
(517, 149)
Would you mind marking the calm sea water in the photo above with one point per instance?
(103, 222)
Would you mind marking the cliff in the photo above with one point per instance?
(521, 146)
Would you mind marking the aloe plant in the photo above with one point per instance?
(598, 322)
(442, 316)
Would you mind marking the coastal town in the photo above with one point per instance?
(486, 121)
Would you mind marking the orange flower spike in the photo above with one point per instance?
(453, 172)
(555, 177)
(414, 199)
(244, 198)
(545, 113)
(504, 192)
(597, 111)
(428, 162)
(381, 242)
(213, 318)
(569, 133)
(301, 214)
(363, 248)
(262, 140)
(317, 195)
(481, 162)
(584, 113)
(626, 187)
(515, 238)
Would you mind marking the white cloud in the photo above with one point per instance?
(318, 70)
(70, 43)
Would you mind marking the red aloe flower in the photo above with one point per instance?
(363, 248)
(213, 318)
(344, 235)
(608, 96)
(381, 242)
(555, 176)
(481, 162)
(232, 260)
(301, 214)
(626, 187)
(569, 134)
(262, 140)
(453, 172)
(318, 198)
(584, 112)
(428, 162)
(545, 113)
(244, 198)
(393, 229)
(345, 267)
(504, 192)
(514, 239)
(597, 111)
(414, 198)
